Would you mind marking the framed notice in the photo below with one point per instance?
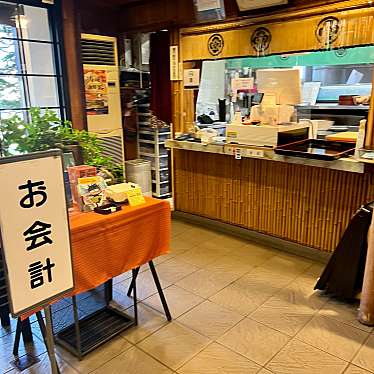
(174, 63)
(34, 230)
(191, 77)
(96, 91)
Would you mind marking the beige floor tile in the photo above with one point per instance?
(160, 259)
(283, 316)
(225, 242)
(353, 369)
(192, 238)
(179, 227)
(174, 345)
(202, 234)
(174, 270)
(145, 285)
(206, 283)
(210, 247)
(199, 256)
(133, 361)
(257, 342)
(274, 281)
(365, 356)
(216, 359)
(265, 371)
(179, 301)
(315, 270)
(231, 264)
(287, 264)
(97, 357)
(344, 312)
(210, 319)
(149, 321)
(44, 367)
(179, 246)
(255, 252)
(301, 292)
(250, 291)
(334, 337)
(300, 358)
(120, 300)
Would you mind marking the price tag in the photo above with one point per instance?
(238, 153)
(135, 196)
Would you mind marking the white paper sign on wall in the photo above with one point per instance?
(34, 230)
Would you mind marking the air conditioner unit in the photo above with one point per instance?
(257, 4)
(102, 90)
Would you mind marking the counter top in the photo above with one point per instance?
(344, 164)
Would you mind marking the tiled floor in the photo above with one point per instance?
(238, 308)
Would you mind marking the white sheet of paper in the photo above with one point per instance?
(355, 77)
(212, 86)
(310, 92)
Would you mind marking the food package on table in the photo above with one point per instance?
(76, 172)
(118, 192)
(91, 192)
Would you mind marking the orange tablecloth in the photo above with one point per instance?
(104, 246)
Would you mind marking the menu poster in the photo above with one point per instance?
(96, 90)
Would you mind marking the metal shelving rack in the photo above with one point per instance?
(154, 140)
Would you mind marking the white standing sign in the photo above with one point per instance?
(34, 230)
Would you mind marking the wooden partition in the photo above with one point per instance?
(307, 205)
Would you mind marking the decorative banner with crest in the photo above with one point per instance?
(242, 39)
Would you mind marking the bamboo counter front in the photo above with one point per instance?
(307, 203)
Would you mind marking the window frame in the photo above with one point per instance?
(55, 22)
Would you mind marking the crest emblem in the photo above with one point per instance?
(215, 44)
(260, 39)
(328, 30)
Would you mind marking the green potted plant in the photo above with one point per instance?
(45, 131)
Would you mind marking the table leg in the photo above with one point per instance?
(108, 290)
(133, 282)
(159, 289)
(135, 273)
(76, 326)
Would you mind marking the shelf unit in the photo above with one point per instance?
(151, 146)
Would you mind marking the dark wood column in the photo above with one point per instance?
(72, 46)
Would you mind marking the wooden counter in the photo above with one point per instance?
(307, 204)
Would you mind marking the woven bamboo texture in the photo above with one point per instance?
(307, 205)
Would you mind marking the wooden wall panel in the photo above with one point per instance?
(307, 205)
(72, 31)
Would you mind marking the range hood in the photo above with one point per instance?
(258, 4)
